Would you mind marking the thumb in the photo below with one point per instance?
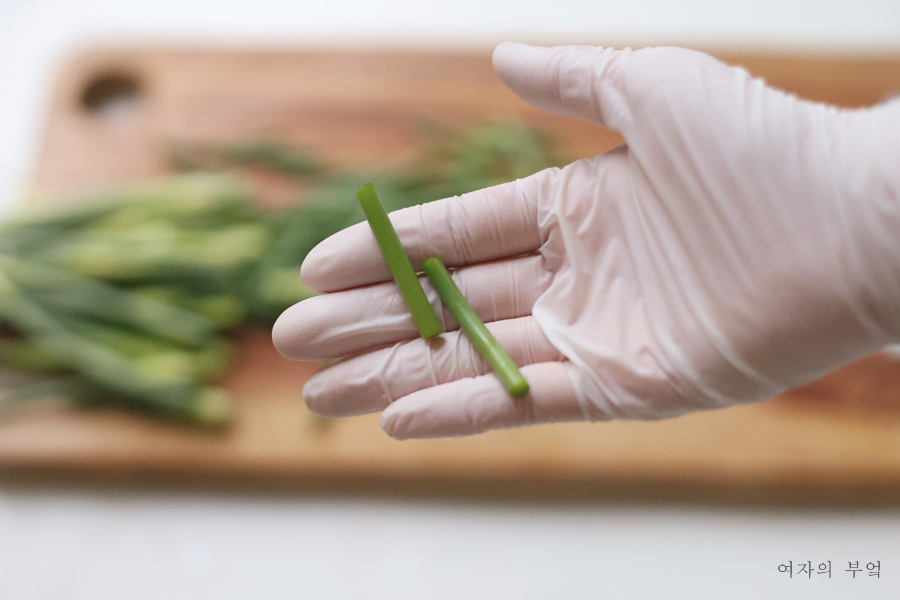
(576, 81)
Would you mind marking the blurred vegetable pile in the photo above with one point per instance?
(128, 298)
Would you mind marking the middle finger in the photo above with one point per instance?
(351, 321)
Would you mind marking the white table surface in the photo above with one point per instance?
(92, 544)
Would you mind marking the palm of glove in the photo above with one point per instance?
(703, 263)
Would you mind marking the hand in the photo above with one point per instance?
(740, 243)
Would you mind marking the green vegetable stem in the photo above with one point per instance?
(398, 263)
(486, 344)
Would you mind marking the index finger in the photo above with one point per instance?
(493, 223)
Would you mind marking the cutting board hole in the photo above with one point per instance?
(111, 94)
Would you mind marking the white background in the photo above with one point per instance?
(74, 544)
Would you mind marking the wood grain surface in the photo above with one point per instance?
(836, 439)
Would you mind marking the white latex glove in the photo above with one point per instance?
(740, 243)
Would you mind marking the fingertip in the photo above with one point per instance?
(402, 422)
(298, 332)
(324, 395)
(312, 267)
(506, 52)
(283, 334)
(390, 424)
(313, 395)
(309, 272)
(323, 266)
(512, 60)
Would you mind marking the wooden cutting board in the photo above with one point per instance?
(115, 110)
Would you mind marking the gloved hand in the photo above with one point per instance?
(740, 243)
